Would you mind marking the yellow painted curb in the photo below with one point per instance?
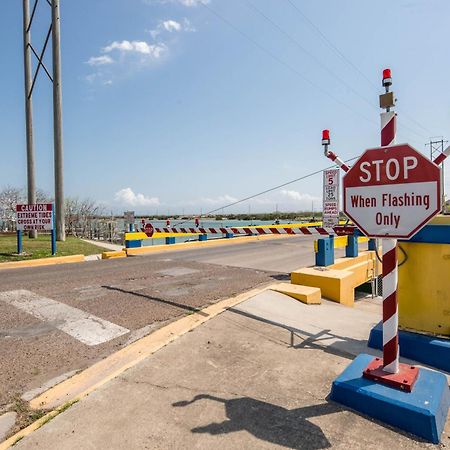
(42, 262)
(82, 384)
(114, 254)
(306, 294)
(95, 376)
(189, 245)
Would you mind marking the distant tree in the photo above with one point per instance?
(79, 215)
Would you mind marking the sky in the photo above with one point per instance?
(185, 106)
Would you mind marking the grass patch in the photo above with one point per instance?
(58, 411)
(25, 415)
(41, 248)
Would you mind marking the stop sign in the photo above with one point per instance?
(392, 192)
(148, 229)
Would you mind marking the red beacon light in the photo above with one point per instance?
(387, 79)
(326, 137)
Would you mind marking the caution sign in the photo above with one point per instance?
(34, 217)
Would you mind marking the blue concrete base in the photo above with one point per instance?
(133, 244)
(325, 251)
(203, 237)
(428, 350)
(351, 249)
(422, 412)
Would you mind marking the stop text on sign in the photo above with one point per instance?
(392, 169)
(392, 191)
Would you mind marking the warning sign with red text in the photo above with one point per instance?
(392, 192)
(34, 217)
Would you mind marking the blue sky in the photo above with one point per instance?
(173, 105)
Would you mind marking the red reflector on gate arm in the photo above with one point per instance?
(326, 135)
(386, 73)
(403, 380)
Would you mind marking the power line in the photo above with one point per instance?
(304, 177)
(330, 44)
(285, 64)
(311, 55)
(349, 62)
(295, 71)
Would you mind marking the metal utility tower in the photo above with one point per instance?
(30, 83)
(437, 148)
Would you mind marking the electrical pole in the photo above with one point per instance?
(436, 149)
(57, 123)
(31, 170)
(30, 84)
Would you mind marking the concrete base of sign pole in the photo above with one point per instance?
(429, 350)
(422, 412)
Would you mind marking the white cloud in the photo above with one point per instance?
(297, 196)
(171, 25)
(126, 197)
(188, 3)
(142, 47)
(220, 200)
(100, 60)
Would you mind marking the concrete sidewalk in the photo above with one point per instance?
(236, 383)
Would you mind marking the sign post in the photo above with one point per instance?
(330, 214)
(40, 217)
(391, 192)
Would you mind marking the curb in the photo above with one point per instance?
(42, 262)
(92, 378)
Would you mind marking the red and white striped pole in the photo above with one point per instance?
(390, 271)
(329, 154)
(443, 156)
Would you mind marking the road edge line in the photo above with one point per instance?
(39, 262)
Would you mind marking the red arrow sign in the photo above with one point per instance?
(392, 192)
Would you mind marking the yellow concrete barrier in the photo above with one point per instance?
(424, 288)
(114, 254)
(138, 235)
(338, 281)
(42, 261)
(305, 294)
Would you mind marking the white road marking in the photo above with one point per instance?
(85, 327)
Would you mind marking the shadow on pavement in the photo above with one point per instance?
(160, 300)
(268, 422)
(343, 346)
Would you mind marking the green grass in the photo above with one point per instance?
(41, 248)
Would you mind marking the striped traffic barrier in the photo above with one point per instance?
(329, 154)
(251, 231)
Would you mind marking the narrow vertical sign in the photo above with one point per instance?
(330, 198)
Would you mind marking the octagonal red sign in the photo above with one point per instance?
(392, 192)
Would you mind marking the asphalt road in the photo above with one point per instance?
(58, 319)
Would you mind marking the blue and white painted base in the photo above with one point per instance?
(422, 412)
(428, 350)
